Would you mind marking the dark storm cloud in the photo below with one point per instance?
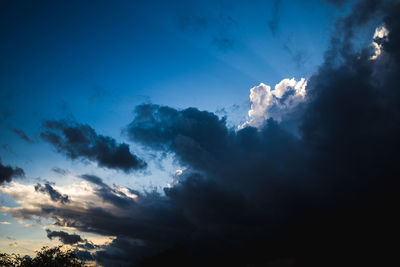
(325, 197)
(64, 237)
(21, 134)
(274, 21)
(263, 183)
(81, 141)
(7, 173)
(53, 193)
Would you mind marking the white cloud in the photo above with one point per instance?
(380, 33)
(267, 103)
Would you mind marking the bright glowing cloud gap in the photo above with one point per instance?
(83, 197)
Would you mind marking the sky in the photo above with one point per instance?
(129, 128)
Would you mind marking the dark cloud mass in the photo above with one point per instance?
(54, 194)
(334, 187)
(64, 237)
(81, 141)
(325, 196)
(7, 173)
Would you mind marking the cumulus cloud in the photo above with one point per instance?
(7, 172)
(276, 103)
(76, 141)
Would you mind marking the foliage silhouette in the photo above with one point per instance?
(46, 257)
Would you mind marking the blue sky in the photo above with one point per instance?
(95, 62)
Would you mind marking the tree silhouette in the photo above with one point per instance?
(46, 257)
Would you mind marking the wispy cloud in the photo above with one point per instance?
(21, 134)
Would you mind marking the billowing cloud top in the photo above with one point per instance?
(277, 103)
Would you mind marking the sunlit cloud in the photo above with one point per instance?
(381, 34)
(276, 103)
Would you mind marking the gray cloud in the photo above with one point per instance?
(54, 194)
(7, 173)
(81, 141)
(64, 237)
